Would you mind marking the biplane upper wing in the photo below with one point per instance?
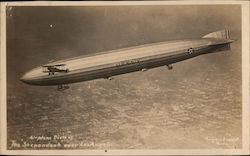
(55, 65)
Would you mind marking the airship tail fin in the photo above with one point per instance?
(222, 34)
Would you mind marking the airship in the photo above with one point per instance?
(107, 64)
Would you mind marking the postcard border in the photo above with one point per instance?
(245, 83)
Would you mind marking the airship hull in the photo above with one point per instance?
(109, 69)
(126, 60)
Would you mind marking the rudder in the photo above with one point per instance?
(222, 34)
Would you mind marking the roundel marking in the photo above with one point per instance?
(190, 50)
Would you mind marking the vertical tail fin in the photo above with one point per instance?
(222, 34)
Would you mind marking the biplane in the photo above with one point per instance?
(52, 69)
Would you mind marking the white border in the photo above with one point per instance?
(245, 75)
(3, 83)
(115, 3)
(245, 83)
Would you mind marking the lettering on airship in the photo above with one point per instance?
(133, 61)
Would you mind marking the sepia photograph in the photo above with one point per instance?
(124, 77)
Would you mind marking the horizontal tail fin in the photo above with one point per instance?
(222, 34)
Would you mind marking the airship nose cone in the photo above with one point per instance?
(26, 78)
(22, 79)
(33, 77)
